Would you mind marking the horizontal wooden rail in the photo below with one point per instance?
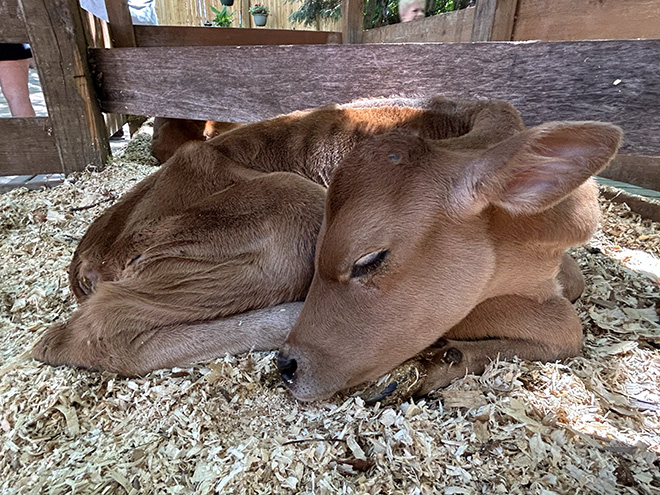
(612, 81)
(571, 20)
(27, 146)
(450, 27)
(642, 171)
(504, 20)
(149, 36)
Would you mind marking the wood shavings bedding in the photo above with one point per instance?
(589, 425)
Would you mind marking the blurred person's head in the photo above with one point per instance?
(410, 10)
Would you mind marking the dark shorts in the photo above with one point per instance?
(15, 51)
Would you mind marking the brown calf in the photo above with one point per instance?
(160, 274)
(451, 249)
(309, 143)
(189, 264)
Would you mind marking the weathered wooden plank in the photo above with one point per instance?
(149, 36)
(639, 204)
(494, 20)
(97, 32)
(616, 81)
(12, 27)
(601, 19)
(453, 26)
(484, 19)
(58, 44)
(505, 17)
(642, 171)
(352, 21)
(120, 23)
(28, 147)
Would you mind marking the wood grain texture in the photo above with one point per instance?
(642, 171)
(505, 18)
(28, 147)
(12, 27)
(587, 19)
(60, 57)
(453, 26)
(546, 81)
(120, 23)
(352, 20)
(484, 19)
(97, 33)
(202, 36)
(494, 20)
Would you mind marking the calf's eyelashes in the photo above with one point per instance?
(368, 263)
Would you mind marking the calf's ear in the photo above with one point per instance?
(537, 168)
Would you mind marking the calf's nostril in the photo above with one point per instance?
(287, 368)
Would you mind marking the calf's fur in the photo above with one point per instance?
(170, 134)
(213, 252)
(423, 240)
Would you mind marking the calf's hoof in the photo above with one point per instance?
(396, 387)
(51, 348)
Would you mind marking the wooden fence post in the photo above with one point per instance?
(245, 13)
(352, 13)
(494, 20)
(120, 23)
(58, 43)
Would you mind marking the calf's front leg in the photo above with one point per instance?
(503, 327)
(144, 348)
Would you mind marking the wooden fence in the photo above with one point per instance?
(520, 20)
(195, 12)
(546, 81)
(73, 135)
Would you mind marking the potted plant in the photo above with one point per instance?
(222, 17)
(260, 13)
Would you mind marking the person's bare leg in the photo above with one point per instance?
(14, 84)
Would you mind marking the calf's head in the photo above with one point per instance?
(405, 250)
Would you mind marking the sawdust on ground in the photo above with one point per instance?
(588, 425)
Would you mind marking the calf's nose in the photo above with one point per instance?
(287, 367)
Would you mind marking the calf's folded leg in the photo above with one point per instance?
(197, 285)
(142, 348)
(570, 278)
(503, 327)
